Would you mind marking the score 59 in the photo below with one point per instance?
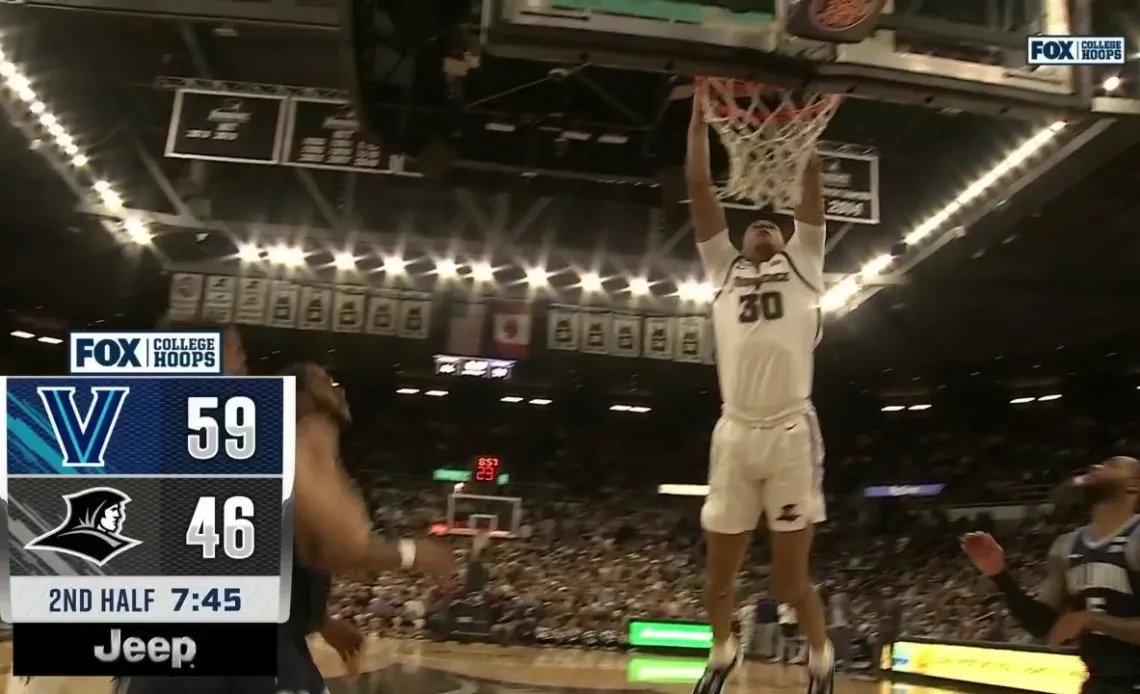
(238, 421)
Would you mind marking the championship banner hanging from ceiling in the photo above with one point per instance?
(406, 314)
(221, 126)
(325, 134)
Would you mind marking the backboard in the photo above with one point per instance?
(964, 56)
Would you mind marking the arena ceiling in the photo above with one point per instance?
(1050, 265)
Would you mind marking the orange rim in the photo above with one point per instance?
(743, 89)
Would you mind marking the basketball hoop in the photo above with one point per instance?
(769, 134)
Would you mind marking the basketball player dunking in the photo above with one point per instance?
(766, 455)
(1091, 593)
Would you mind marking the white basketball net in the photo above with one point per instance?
(769, 134)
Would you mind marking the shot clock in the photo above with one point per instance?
(145, 528)
(485, 469)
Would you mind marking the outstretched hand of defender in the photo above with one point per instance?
(1068, 627)
(984, 552)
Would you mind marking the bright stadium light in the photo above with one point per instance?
(692, 290)
(541, 402)
(483, 272)
(893, 408)
(1111, 83)
(435, 393)
(536, 277)
(1049, 398)
(249, 253)
(510, 398)
(919, 408)
(841, 293)
(395, 265)
(288, 256)
(407, 391)
(639, 286)
(446, 269)
(344, 261)
(22, 334)
(137, 231)
(591, 282)
(49, 340)
(1021, 401)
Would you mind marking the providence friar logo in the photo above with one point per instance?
(93, 528)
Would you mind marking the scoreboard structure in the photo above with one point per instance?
(147, 522)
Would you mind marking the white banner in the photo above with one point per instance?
(595, 331)
(348, 310)
(415, 316)
(218, 304)
(625, 335)
(691, 343)
(316, 306)
(383, 308)
(563, 328)
(253, 294)
(658, 343)
(283, 300)
(185, 295)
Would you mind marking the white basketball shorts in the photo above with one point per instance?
(776, 472)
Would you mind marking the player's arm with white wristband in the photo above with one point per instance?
(332, 524)
(709, 224)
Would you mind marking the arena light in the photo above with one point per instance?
(893, 408)
(1049, 398)
(639, 409)
(483, 272)
(1111, 83)
(692, 290)
(249, 253)
(841, 293)
(619, 408)
(683, 489)
(22, 334)
(288, 256)
(407, 391)
(591, 282)
(540, 402)
(1021, 401)
(395, 265)
(48, 340)
(639, 286)
(919, 408)
(435, 393)
(510, 398)
(536, 276)
(137, 231)
(446, 268)
(344, 261)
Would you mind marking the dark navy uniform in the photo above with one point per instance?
(296, 671)
(1104, 576)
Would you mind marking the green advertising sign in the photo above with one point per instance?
(665, 670)
(670, 635)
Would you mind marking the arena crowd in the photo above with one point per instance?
(597, 550)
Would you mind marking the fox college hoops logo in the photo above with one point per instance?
(93, 528)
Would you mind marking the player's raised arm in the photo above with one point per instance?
(332, 526)
(1036, 615)
(809, 239)
(709, 224)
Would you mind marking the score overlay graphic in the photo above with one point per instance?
(139, 512)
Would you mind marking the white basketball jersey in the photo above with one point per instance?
(767, 323)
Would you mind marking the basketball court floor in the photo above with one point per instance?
(409, 667)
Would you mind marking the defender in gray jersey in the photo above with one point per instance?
(1091, 594)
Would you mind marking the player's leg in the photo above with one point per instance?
(793, 501)
(730, 514)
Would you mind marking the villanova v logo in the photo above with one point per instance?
(83, 438)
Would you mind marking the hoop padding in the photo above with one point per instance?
(769, 134)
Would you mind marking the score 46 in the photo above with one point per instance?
(239, 422)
